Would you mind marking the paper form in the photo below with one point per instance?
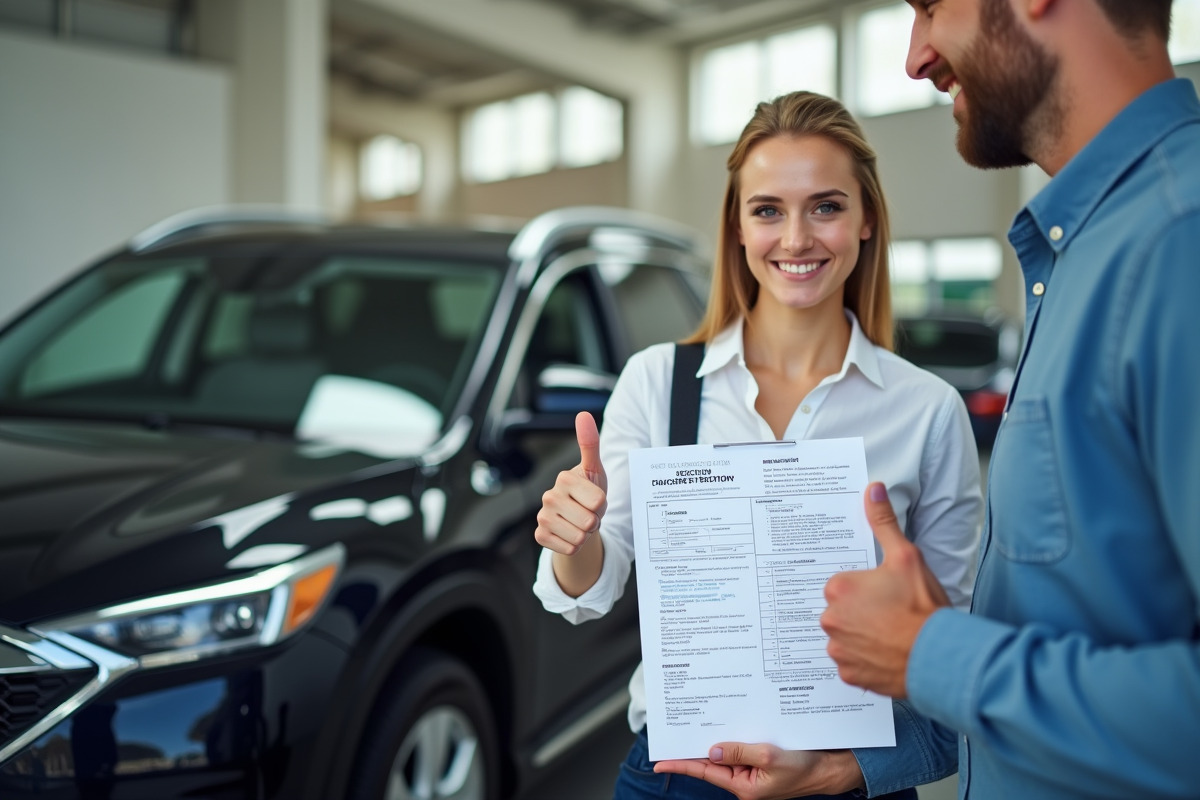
(734, 544)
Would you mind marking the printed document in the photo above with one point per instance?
(734, 545)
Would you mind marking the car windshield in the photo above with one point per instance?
(328, 347)
(939, 343)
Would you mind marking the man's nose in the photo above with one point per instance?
(921, 55)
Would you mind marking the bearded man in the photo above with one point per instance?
(1077, 673)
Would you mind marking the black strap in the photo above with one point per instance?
(685, 394)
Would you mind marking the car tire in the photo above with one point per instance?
(432, 736)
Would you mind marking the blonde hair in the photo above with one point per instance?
(868, 293)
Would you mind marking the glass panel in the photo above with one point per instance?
(1185, 31)
(488, 132)
(533, 131)
(111, 340)
(909, 262)
(881, 85)
(122, 23)
(592, 128)
(947, 343)
(728, 91)
(389, 168)
(38, 14)
(655, 304)
(966, 259)
(802, 59)
(248, 341)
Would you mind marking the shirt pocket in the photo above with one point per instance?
(1028, 513)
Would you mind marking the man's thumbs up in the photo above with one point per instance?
(873, 616)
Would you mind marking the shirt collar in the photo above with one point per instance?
(729, 345)
(1060, 210)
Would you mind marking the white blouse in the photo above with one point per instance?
(914, 427)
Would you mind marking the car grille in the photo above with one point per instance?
(27, 697)
(41, 683)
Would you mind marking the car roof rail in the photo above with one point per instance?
(543, 232)
(197, 219)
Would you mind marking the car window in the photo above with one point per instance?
(656, 304)
(939, 343)
(255, 341)
(111, 339)
(567, 332)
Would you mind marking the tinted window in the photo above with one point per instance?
(656, 304)
(275, 342)
(938, 343)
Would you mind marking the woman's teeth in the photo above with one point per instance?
(953, 90)
(798, 269)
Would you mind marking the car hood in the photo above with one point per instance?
(95, 513)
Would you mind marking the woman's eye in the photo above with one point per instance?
(828, 207)
(766, 211)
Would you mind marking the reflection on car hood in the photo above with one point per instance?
(94, 513)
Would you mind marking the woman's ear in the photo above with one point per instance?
(867, 231)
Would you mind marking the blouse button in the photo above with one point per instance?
(1056, 233)
(804, 409)
(1039, 289)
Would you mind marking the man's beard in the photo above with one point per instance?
(1007, 78)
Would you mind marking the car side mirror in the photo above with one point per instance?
(569, 388)
(561, 391)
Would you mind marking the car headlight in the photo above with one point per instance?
(251, 611)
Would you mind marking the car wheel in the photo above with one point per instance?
(431, 738)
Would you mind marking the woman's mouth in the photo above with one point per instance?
(799, 268)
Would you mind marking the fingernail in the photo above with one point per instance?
(716, 754)
(878, 493)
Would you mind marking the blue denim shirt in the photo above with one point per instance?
(1077, 673)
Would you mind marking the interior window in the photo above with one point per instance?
(655, 303)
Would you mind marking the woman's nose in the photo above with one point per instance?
(797, 237)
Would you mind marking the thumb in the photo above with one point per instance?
(739, 754)
(882, 519)
(589, 447)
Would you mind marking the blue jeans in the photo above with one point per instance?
(638, 781)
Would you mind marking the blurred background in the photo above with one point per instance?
(117, 113)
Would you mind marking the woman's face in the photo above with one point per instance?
(801, 220)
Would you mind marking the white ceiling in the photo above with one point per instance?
(436, 57)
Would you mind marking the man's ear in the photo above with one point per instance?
(1036, 9)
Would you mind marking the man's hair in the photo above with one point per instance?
(1133, 18)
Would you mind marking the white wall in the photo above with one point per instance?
(94, 146)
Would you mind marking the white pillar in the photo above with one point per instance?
(277, 49)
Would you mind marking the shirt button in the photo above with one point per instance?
(1039, 289)
(804, 409)
(1056, 233)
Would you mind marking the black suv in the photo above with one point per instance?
(267, 492)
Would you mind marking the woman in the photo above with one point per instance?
(798, 336)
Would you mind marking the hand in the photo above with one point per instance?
(873, 616)
(572, 510)
(766, 772)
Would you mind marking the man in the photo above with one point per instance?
(1078, 672)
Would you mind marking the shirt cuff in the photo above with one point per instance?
(947, 664)
(592, 604)
(924, 752)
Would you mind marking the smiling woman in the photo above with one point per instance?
(797, 345)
